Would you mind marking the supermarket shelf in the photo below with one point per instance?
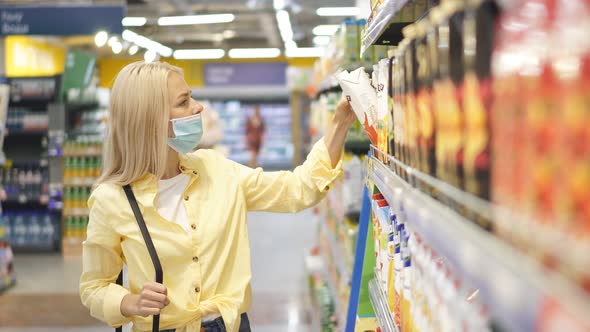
(81, 106)
(357, 146)
(24, 132)
(337, 251)
(76, 212)
(381, 306)
(518, 291)
(33, 249)
(21, 201)
(91, 152)
(381, 31)
(80, 182)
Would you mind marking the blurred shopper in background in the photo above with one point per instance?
(254, 135)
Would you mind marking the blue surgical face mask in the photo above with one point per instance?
(188, 132)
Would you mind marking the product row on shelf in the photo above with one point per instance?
(32, 229)
(322, 301)
(24, 183)
(463, 112)
(338, 232)
(388, 17)
(24, 120)
(343, 52)
(418, 287)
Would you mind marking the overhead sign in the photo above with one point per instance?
(235, 74)
(60, 20)
(30, 57)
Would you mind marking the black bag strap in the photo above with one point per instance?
(150, 247)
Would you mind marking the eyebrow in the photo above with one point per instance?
(184, 94)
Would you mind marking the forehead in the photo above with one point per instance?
(176, 83)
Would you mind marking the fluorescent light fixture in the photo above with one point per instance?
(196, 19)
(150, 56)
(253, 53)
(117, 47)
(214, 53)
(284, 23)
(321, 40)
(325, 30)
(112, 40)
(129, 35)
(304, 52)
(133, 49)
(279, 4)
(100, 39)
(290, 44)
(338, 11)
(147, 43)
(134, 21)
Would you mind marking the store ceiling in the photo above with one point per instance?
(255, 24)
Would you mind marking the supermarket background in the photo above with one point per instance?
(466, 210)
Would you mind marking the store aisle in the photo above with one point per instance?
(46, 296)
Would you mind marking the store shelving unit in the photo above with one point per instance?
(379, 301)
(381, 30)
(519, 293)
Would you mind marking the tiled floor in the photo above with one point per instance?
(279, 285)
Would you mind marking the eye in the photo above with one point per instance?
(184, 103)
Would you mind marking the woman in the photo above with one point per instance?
(255, 128)
(194, 205)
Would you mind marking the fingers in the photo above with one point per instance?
(149, 312)
(156, 287)
(153, 296)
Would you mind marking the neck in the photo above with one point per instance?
(172, 163)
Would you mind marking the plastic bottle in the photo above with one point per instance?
(34, 230)
(20, 230)
(47, 231)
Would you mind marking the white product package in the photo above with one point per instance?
(356, 86)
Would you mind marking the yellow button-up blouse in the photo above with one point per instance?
(206, 271)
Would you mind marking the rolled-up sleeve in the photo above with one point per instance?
(290, 191)
(102, 264)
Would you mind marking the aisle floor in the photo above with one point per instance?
(280, 294)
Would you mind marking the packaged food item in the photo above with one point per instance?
(424, 102)
(412, 116)
(357, 88)
(383, 106)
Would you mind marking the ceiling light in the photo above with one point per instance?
(134, 21)
(117, 47)
(305, 52)
(252, 53)
(321, 40)
(101, 38)
(338, 11)
(228, 34)
(196, 19)
(215, 53)
(284, 23)
(150, 56)
(290, 44)
(152, 45)
(278, 4)
(133, 49)
(112, 40)
(325, 30)
(129, 35)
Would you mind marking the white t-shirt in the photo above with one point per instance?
(169, 200)
(170, 206)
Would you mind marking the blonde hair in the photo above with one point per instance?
(136, 142)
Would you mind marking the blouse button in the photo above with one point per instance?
(182, 168)
(186, 197)
(194, 226)
(197, 289)
(195, 173)
(196, 259)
